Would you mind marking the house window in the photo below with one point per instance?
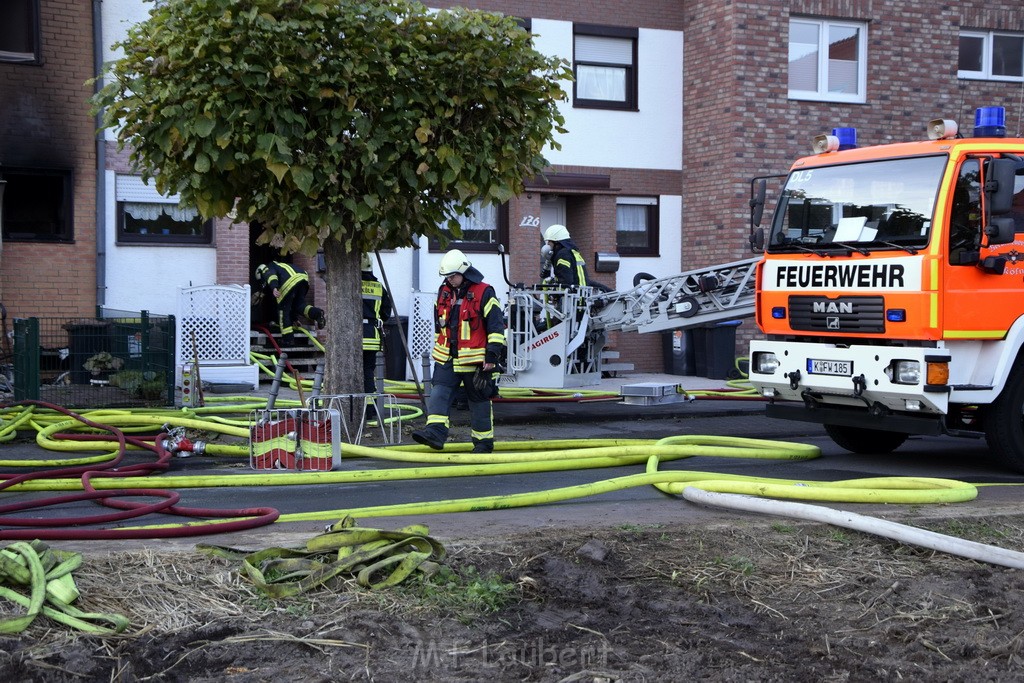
(146, 217)
(37, 205)
(991, 56)
(636, 226)
(161, 223)
(19, 31)
(483, 230)
(604, 64)
(827, 60)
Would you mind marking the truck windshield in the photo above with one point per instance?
(863, 207)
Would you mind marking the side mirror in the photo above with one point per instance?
(757, 240)
(757, 193)
(1000, 230)
(999, 186)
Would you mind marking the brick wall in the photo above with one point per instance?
(648, 13)
(739, 121)
(46, 124)
(743, 124)
(233, 267)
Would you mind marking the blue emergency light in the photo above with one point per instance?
(990, 122)
(847, 137)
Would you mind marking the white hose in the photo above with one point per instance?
(870, 525)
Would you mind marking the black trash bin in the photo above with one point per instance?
(677, 347)
(141, 342)
(719, 346)
(698, 341)
(86, 338)
(395, 359)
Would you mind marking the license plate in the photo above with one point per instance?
(842, 368)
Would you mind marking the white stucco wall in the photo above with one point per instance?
(142, 276)
(649, 138)
(147, 277)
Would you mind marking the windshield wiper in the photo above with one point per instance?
(849, 247)
(910, 250)
(794, 245)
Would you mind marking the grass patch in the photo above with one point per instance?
(465, 594)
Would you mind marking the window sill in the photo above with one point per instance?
(833, 99)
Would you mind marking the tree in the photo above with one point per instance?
(351, 126)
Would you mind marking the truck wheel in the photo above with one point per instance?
(1004, 422)
(860, 440)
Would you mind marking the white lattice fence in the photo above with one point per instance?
(216, 317)
(421, 329)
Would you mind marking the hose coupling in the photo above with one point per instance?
(180, 446)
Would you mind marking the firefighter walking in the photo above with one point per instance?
(469, 347)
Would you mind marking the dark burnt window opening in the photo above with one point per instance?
(37, 205)
(19, 31)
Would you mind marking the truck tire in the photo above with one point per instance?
(861, 440)
(1004, 421)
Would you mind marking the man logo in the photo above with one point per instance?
(832, 322)
(833, 307)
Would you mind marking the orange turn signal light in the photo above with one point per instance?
(938, 373)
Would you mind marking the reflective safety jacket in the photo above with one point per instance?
(283, 277)
(376, 311)
(469, 326)
(570, 268)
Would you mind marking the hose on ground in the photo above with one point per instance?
(454, 461)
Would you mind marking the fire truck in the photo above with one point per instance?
(890, 290)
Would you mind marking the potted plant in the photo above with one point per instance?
(101, 365)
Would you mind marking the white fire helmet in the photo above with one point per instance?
(453, 262)
(556, 233)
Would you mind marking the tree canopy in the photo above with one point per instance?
(346, 125)
(363, 122)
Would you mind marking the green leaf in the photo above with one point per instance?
(204, 127)
(279, 170)
(202, 164)
(303, 178)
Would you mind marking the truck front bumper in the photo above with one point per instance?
(879, 379)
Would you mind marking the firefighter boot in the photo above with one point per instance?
(483, 446)
(431, 435)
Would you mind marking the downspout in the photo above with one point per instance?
(101, 161)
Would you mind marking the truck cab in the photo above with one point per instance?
(890, 292)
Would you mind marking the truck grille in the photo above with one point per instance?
(844, 314)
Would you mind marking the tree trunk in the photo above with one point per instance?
(343, 373)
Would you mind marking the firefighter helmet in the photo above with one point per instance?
(453, 262)
(556, 233)
(366, 264)
(261, 272)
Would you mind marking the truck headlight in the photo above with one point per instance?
(906, 372)
(765, 363)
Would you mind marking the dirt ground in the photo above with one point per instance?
(744, 601)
